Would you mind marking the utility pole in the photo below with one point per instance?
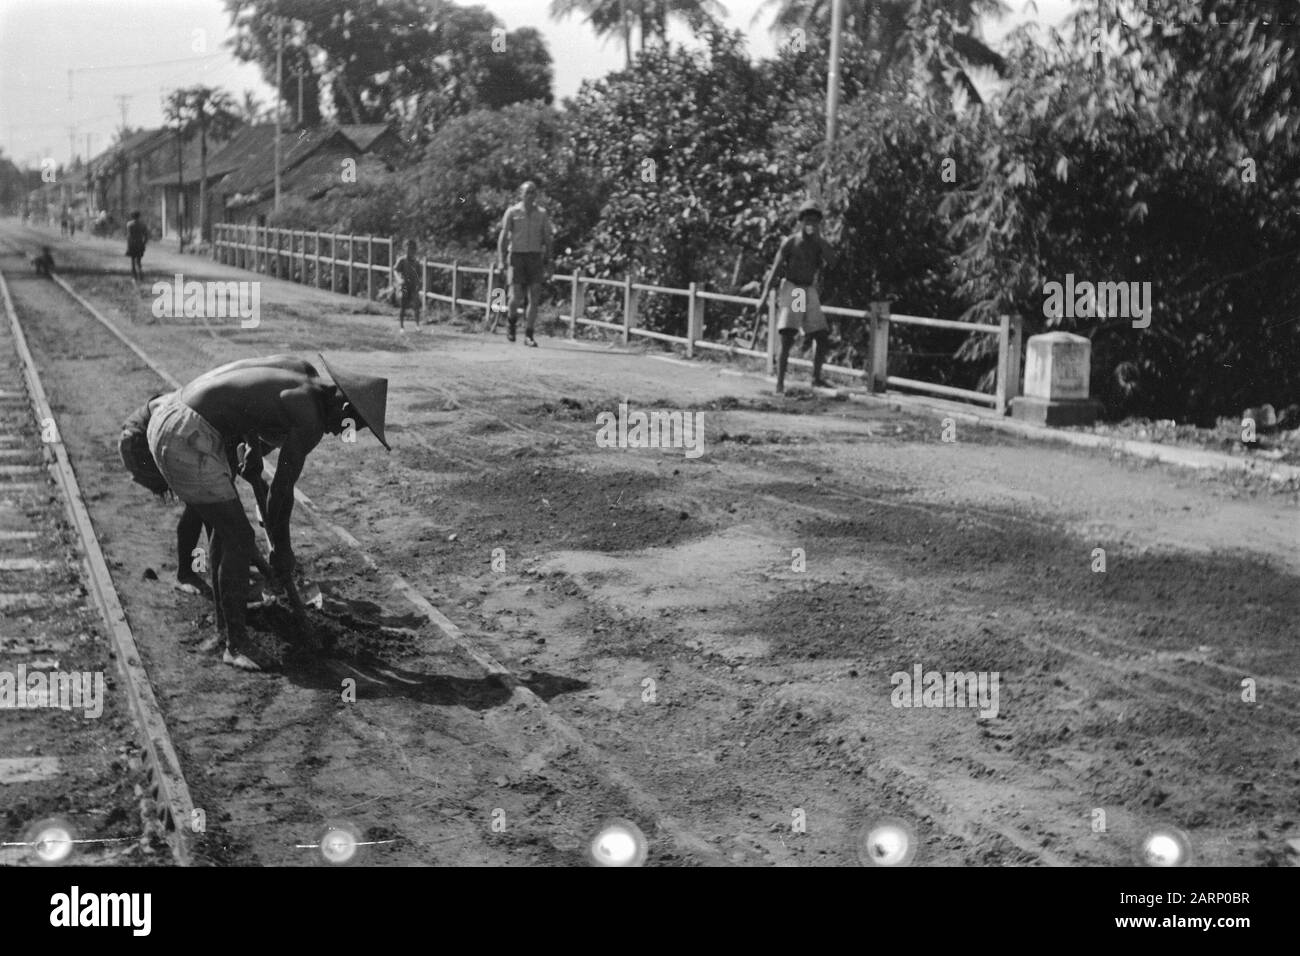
(300, 99)
(279, 101)
(122, 100)
(72, 132)
(833, 76)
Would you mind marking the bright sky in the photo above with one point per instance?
(68, 64)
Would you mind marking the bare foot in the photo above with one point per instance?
(193, 584)
(241, 661)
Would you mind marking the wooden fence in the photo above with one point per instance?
(357, 265)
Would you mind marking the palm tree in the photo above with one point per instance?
(649, 17)
(175, 111)
(209, 112)
(883, 25)
(249, 108)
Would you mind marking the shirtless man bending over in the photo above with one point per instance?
(287, 408)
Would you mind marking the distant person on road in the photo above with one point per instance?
(526, 230)
(799, 263)
(406, 276)
(63, 221)
(44, 263)
(188, 437)
(244, 458)
(137, 237)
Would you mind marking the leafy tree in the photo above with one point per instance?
(480, 65)
(472, 169)
(940, 38)
(380, 60)
(211, 114)
(649, 18)
(254, 41)
(1118, 154)
(678, 149)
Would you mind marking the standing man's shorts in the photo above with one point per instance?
(526, 268)
(410, 296)
(191, 455)
(810, 320)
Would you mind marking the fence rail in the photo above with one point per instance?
(302, 256)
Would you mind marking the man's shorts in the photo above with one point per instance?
(810, 319)
(526, 268)
(133, 447)
(191, 455)
(409, 298)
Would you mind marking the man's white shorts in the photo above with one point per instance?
(809, 319)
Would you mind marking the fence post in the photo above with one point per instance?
(771, 331)
(455, 287)
(334, 262)
(424, 289)
(627, 306)
(352, 263)
(575, 302)
(1008, 361)
(491, 281)
(879, 346)
(370, 268)
(693, 323)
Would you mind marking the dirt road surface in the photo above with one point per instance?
(723, 631)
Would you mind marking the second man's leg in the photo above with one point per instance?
(787, 340)
(822, 341)
(233, 552)
(188, 530)
(534, 294)
(513, 307)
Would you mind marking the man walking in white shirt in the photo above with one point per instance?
(526, 229)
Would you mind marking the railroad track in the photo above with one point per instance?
(38, 483)
(840, 502)
(560, 735)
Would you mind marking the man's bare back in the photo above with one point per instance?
(269, 402)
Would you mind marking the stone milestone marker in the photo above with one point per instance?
(1057, 366)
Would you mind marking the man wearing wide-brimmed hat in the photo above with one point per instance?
(283, 407)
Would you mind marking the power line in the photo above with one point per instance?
(145, 66)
